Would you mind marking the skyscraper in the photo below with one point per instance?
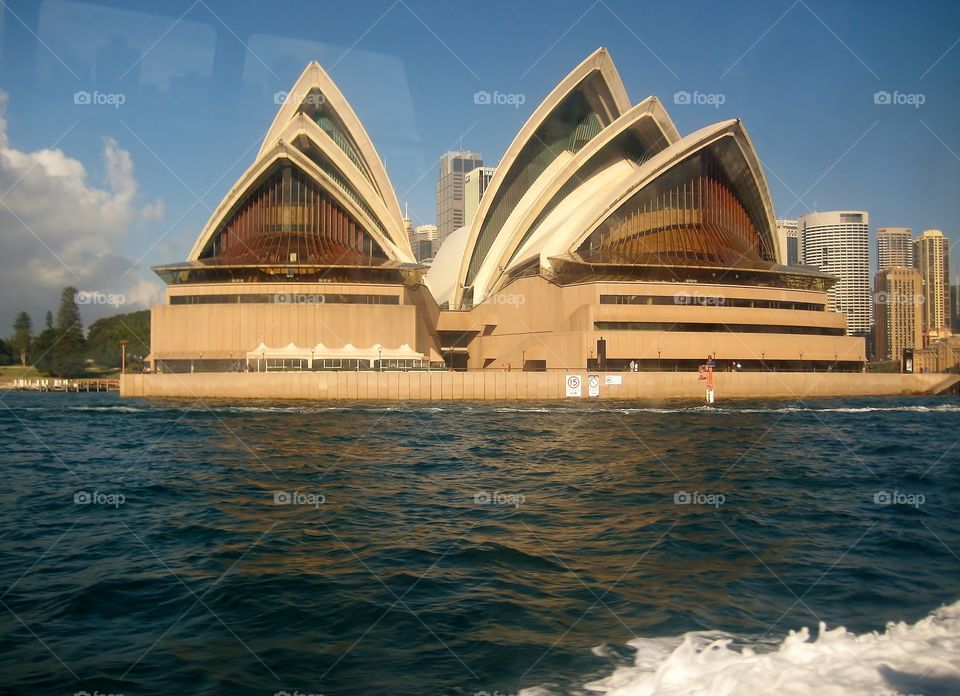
(474, 184)
(789, 242)
(425, 243)
(453, 167)
(408, 227)
(931, 254)
(838, 243)
(894, 247)
(898, 306)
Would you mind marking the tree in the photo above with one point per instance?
(68, 350)
(41, 353)
(104, 336)
(6, 353)
(22, 337)
(48, 320)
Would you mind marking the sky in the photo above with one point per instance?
(123, 123)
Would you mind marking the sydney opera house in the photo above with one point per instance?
(605, 238)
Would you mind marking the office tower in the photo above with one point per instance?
(894, 247)
(788, 242)
(955, 306)
(898, 309)
(425, 242)
(474, 184)
(838, 243)
(453, 167)
(931, 256)
(408, 228)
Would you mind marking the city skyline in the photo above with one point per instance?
(143, 186)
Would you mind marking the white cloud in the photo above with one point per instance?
(57, 229)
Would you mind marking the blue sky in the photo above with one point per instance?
(96, 193)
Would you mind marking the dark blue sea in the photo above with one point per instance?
(158, 547)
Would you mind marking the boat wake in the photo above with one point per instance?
(921, 658)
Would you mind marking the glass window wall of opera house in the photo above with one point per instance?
(604, 240)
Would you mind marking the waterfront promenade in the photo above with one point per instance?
(533, 386)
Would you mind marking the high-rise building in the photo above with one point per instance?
(789, 242)
(425, 242)
(931, 256)
(408, 228)
(955, 306)
(894, 247)
(474, 184)
(453, 167)
(898, 309)
(838, 243)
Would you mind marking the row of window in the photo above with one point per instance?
(694, 299)
(286, 298)
(715, 328)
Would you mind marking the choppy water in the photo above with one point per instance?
(470, 548)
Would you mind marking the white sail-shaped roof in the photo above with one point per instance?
(589, 99)
(339, 175)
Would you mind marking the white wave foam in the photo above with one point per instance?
(920, 658)
(942, 408)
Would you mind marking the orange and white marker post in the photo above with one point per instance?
(706, 372)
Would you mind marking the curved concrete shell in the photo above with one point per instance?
(636, 136)
(588, 100)
(703, 201)
(333, 189)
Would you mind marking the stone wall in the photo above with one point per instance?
(499, 385)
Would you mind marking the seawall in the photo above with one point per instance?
(498, 385)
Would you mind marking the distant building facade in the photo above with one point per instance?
(931, 253)
(838, 243)
(425, 242)
(450, 199)
(894, 247)
(788, 240)
(474, 184)
(898, 308)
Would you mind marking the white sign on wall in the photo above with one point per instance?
(613, 379)
(574, 385)
(593, 385)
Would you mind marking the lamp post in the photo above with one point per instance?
(658, 359)
(763, 360)
(801, 361)
(263, 359)
(311, 358)
(380, 351)
(123, 356)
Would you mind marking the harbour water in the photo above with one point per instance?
(466, 548)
